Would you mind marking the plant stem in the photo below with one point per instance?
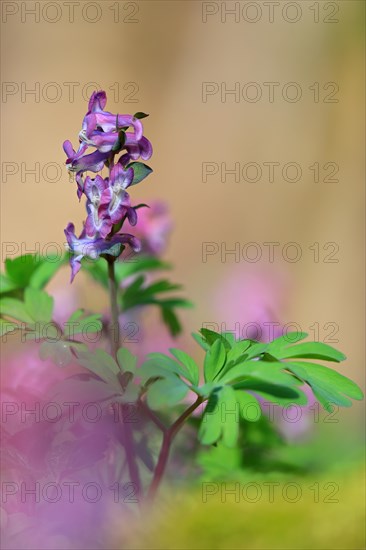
(165, 449)
(129, 446)
(114, 329)
(128, 441)
(155, 419)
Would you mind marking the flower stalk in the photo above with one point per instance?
(114, 327)
(168, 437)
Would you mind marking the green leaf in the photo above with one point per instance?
(171, 320)
(137, 293)
(166, 393)
(6, 284)
(214, 360)
(328, 385)
(287, 339)
(79, 323)
(151, 369)
(170, 303)
(310, 350)
(221, 418)
(189, 363)
(161, 286)
(30, 270)
(10, 307)
(248, 406)
(139, 264)
(39, 305)
(98, 269)
(255, 350)
(170, 365)
(210, 428)
(140, 171)
(230, 416)
(297, 397)
(265, 371)
(49, 331)
(120, 141)
(200, 341)
(229, 337)
(210, 336)
(140, 115)
(126, 360)
(115, 250)
(59, 352)
(238, 349)
(103, 365)
(282, 395)
(20, 269)
(45, 271)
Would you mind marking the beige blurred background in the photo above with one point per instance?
(167, 50)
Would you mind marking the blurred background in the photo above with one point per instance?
(257, 123)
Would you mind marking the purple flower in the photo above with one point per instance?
(93, 189)
(80, 163)
(98, 119)
(115, 201)
(135, 149)
(105, 142)
(92, 248)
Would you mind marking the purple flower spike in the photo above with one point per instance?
(115, 201)
(108, 203)
(84, 247)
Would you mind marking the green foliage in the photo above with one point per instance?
(79, 323)
(114, 384)
(237, 374)
(98, 269)
(140, 115)
(137, 292)
(37, 307)
(21, 296)
(126, 360)
(59, 351)
(140, 171)
(189, 363)
(214, 360)
(328, 385)
(25, 306)
(29, 270)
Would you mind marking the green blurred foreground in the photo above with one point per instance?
(329, 514)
